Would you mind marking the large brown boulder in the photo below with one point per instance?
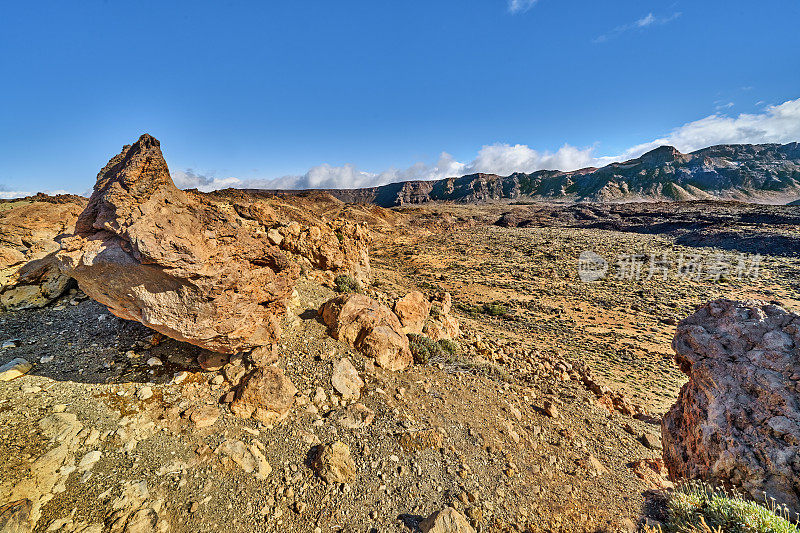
(370, 327)
(29, 228)
(412, 310)
(421, 315)
(206, 271)
(342, 250)
(737, 420)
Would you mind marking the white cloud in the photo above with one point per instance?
(505, 159)
(646, 20)
(6, 194)
(326, 176)
(520, 6)
(777, 124)
(500, 159)
(189, 179)
(639, 24)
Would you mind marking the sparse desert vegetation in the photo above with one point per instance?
(346, 284)
(458, 369)
(696, 507)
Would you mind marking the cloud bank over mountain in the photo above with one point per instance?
(6, 193)
(776, 124)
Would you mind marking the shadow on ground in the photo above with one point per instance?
(85, 343)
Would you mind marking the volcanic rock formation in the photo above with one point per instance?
(370, 327)
(211, 273)
(29, 274)
(737, 420)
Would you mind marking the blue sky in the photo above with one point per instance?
(323, 93)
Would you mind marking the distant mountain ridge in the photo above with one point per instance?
(759, 173)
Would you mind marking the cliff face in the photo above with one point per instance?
(768, 173)
(762, 173)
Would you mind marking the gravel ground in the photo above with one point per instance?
(500, 432)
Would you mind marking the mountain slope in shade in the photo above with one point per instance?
(760, 173)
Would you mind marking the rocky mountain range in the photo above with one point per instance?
(759, 173)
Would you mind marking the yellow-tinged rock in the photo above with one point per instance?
(14, 369)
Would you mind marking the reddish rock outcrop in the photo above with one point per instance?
(653, 473)
(441, 324)
(29, 274)
(737, 420)
(213, 273)
(342, 250)
(412, 310)
(153, 253)
(370, 327)
(333, 463)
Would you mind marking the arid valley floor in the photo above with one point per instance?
(519, 431)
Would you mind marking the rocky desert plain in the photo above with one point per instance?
(260, 361)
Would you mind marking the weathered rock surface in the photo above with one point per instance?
(263, 355)
(343, 250)
(29, 273)
(346, 380)
(448, 520)
(46, 474)
(266, 394)
(333, 463)
(198, 270)
(251, 458)
(441, 324)
(15, 517)
(356, 416)
(412, 310)
(737, 420)
(370, 327)
(136, 511)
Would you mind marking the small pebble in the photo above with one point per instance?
(145, 393)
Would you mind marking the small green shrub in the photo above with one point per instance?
(491, 309)
(495, 309)
(346, 284)
(696, 506)
(449, 347)
(424, 349)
